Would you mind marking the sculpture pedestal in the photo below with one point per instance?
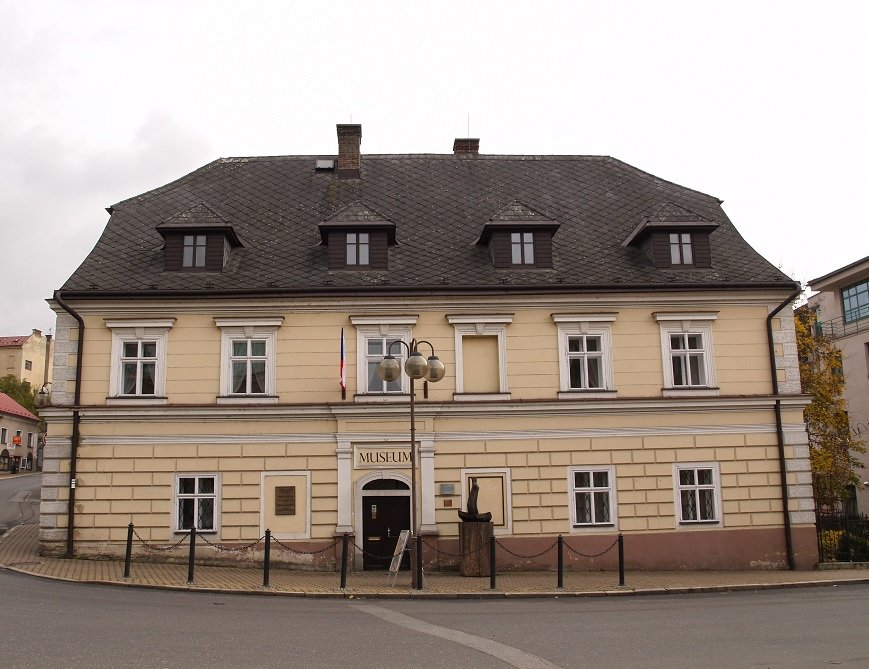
(474, 546)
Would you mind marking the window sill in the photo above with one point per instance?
(691, 392)
(247, 399)
(587, 394)
(593, 528)
(140, 400)
(383, 398)
(480, 397)
(687, 525)
(179, 532)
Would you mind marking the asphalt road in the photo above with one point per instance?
(56, 624)
(19, 500)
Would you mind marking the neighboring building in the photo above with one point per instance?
(842, 307)
(27, 357)
(613, 351)
(19, 436)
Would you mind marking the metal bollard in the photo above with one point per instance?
(267, 556)
(129, 554)
(492, 562)
(560, 585)
(344, 542)
(192, 556)
(418, 566)
(621, 559)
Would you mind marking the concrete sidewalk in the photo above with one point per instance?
(18, 552)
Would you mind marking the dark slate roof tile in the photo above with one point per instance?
(438, 204)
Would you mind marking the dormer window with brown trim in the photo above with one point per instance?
(357, 238)
(519, 237)
(674, 237)
(197, 240)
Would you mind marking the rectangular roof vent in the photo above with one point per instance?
(325, 164)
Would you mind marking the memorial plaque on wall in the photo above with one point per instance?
(285, 500)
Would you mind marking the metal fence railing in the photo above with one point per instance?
(842, 537)
(488, 553)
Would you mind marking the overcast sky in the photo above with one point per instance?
(762, 104)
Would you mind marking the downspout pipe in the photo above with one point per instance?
(782, 462)
(76, 421)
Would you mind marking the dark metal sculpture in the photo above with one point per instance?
(472, 515)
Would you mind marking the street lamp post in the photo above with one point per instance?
(416, 367)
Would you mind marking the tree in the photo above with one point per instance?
(832, 446)
(20, 391)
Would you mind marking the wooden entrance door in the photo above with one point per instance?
(383, 519)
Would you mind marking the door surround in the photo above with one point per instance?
(359, 492)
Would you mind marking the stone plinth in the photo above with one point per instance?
(474, 546)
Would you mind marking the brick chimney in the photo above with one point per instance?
(466, 147)
(349, 159)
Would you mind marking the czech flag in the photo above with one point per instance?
(343, 370)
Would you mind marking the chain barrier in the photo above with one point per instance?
(525, 557)
(453, 555)
(369, 554)
(596, 555)
(300, 552)
(160, 549)
(230, 549)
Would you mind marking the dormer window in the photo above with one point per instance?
(194, 251)
(197, 240)
(680, 249)
(519, 237)
(357, 238)
(522, 246)
(357, 248)
(674, 237)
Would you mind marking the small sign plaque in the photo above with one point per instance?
(285, 500)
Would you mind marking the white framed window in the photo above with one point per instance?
(28, 365)
(194, 251)
(375, 337)
(358, 248)
(585, 355)
(481, 356)
(681, 252)
(593, 502)
(522, 248)
(687, 353)
(698, 493)
(138, 369)
(3, 435)
(196, 502)
(30, 440)
(248, 359)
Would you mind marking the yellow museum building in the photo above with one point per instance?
(617, 360)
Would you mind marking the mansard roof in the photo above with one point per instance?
(438, 206)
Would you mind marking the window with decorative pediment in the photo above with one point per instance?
(138, 367)
(687, 354)
(248, 359)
